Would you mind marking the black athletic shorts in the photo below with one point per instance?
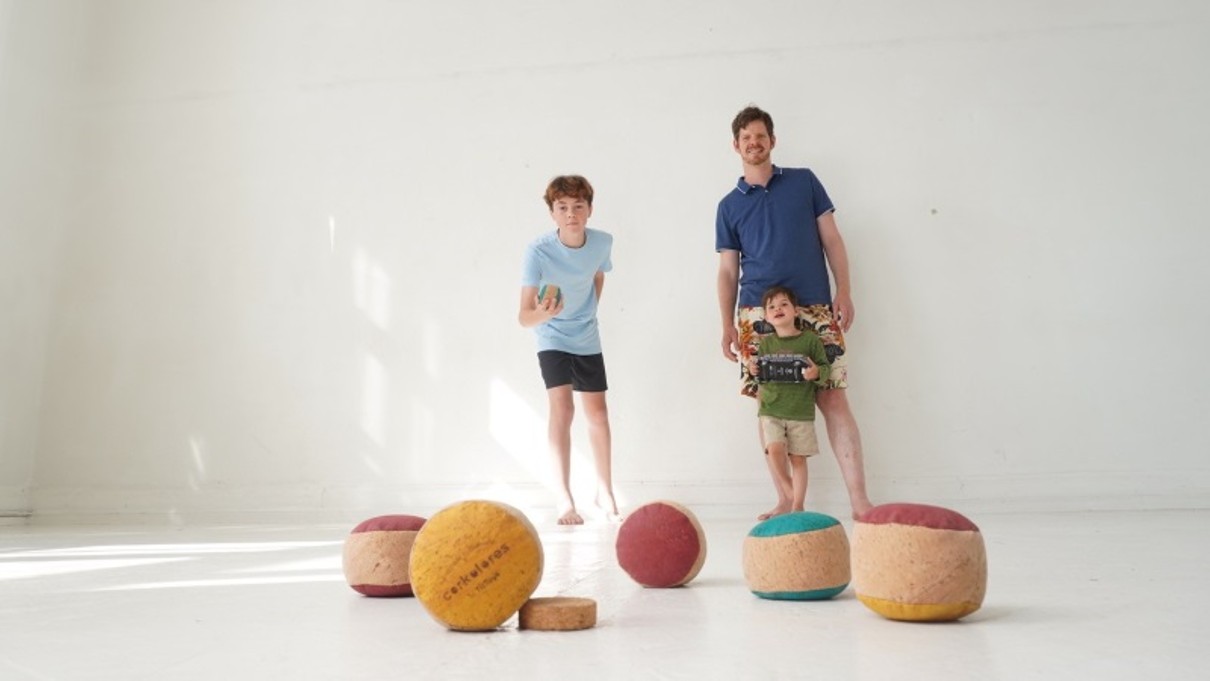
(585, 373)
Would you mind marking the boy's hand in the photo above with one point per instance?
(753, 367)
(550, 308)
(811, 371)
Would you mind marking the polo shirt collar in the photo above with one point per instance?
(743, 185)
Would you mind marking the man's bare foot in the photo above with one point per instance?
(777, 510)
(859, 509)
(570, 517)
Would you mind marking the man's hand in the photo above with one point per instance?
(842, 308)
(731, 343)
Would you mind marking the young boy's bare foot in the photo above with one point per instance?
(780, 509)
(570, 517)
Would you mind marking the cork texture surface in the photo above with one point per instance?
(558, 613)
(919, 566)
(475, 563)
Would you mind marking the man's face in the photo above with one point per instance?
(754, 143)
(570, 213)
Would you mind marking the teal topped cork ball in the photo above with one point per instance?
(801, 556)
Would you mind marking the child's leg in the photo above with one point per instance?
(596, 412)
(798, 477)
(562, 410)
(775, 457)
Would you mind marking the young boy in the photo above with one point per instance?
(787, 404)
(568, 266)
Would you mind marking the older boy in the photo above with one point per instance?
(569, 266)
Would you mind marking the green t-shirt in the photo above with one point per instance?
(793, 401)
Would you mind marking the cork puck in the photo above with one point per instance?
(377, 553)
(558, 613)
(661, 545)
(475, 563)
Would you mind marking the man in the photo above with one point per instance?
(776, 227)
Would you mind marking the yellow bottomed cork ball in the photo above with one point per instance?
(475, 563)
(918, 563)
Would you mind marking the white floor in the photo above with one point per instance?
(1070, 596)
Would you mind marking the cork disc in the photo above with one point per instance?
(558, 613)
(475, 563)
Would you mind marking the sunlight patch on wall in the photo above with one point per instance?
(373, 399)
(198, 474)
(518, 429)
(371, 289)
(430, 339)
(423, 431)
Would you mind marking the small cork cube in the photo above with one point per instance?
(377, 553)
(797, 556)
(475, 563)
(661, 545)
(918, 563)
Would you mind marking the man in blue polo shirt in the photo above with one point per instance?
(776, 227)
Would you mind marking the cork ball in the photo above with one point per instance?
(475, 563)
(918, 563)
(797, 556)
(376, 555)
(661, 544)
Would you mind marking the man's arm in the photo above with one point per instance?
(838, 262)
(728, 285)
(598, 283)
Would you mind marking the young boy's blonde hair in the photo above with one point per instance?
(568, 187)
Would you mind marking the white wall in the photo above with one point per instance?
(291, 280)
(38, 42)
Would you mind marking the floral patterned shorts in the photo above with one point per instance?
(818, 318)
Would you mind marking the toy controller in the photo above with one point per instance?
(781, 369)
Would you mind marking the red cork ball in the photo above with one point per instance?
(661, 544)
(376, 555)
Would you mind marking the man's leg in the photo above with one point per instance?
(596, 411)
(562, 410)
(846, 444)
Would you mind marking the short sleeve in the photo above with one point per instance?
(531, 270)
(725, 238)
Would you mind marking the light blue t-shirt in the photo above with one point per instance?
(548, 261)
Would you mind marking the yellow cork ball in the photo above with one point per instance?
(475, 563)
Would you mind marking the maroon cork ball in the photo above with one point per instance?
(661, 544)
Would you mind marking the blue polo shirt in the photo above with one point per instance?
(775, 232)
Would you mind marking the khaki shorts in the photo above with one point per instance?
(818, 317)
(798, 436)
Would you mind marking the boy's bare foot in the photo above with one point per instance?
(780, 509)
(609, 507)
(570, 517)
